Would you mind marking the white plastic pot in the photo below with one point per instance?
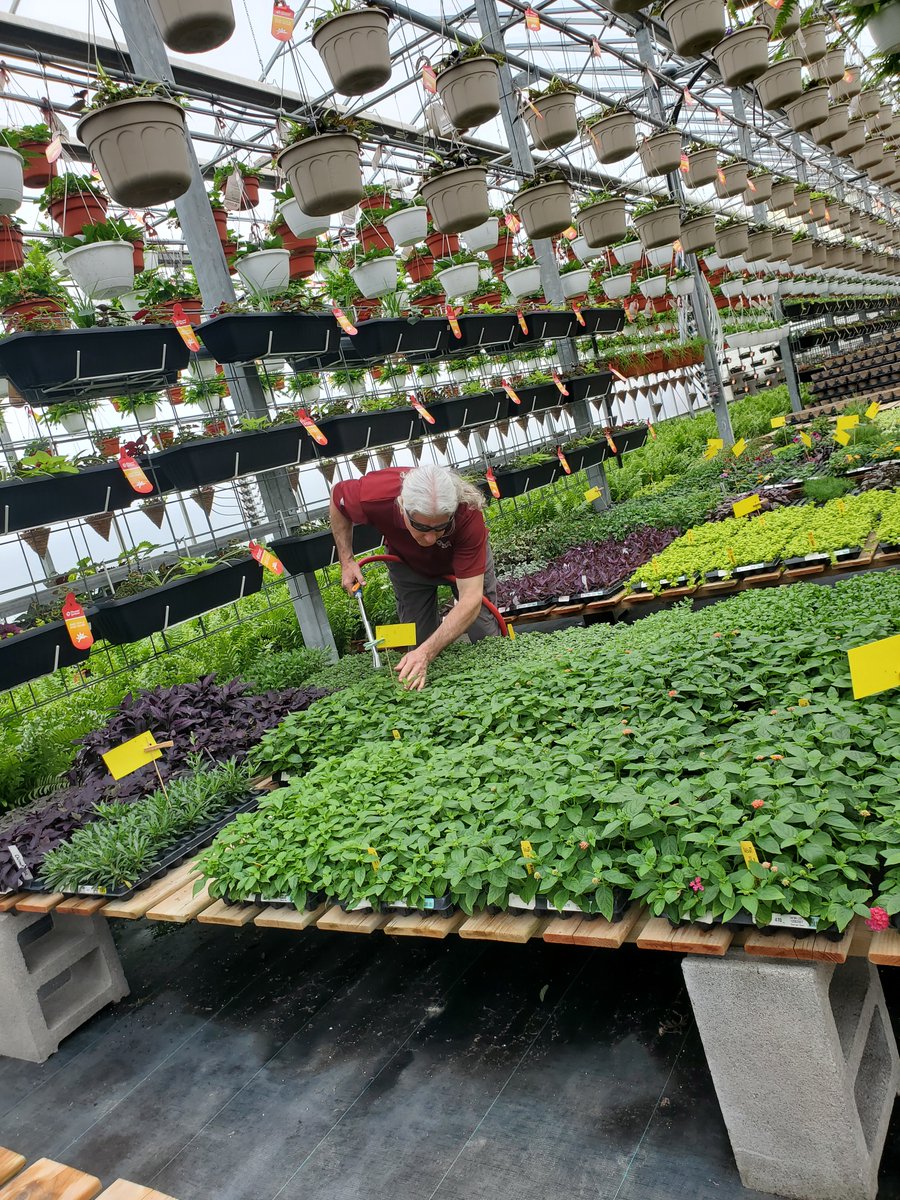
(732, 287)
(482, 237)
(628, 254)
(408, 225)
(656, 286)
(300, 223)
(145, 413)
(575, 283)
(309, 395)
(376, 278)
(683, 286)
(617, 287)
(266, 271)
(10, 180)
(660, 256)
(884, 29)
(460, 280)
(73, 423)
(102, 270)
(583, 252)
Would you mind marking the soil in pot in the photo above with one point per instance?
(470, 91)
(354, 48)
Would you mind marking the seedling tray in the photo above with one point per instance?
(806, 560)
(243, 337)
(541, 905)
(751, 569)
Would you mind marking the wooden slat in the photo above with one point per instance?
(48, 1180)
(658, 934)
(37, 903)
(123, 1190)
(282, 916)
(503, 927)
(81, 906)
(885, 948)
(235, 915)
(799, 572)
(763, 580)
(10, 1164)
(9, 902)
(611, 602)
(422, 925)
(182, 905)
(141, 902)
(605, 935)
(343, 922)
(811, 949)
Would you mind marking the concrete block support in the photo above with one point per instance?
(805, 1067)
(55, 973)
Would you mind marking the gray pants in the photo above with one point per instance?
(417, 601)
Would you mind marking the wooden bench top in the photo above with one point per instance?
(48, 1180)
(123, 1190)
(10, 1164)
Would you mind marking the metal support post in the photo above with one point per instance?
(310, 609)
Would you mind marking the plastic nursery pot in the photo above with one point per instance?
(658, 228)
(552, 120)
(653, 287)
(102, 270)
(11, 180)
(37, 172)
(810, 43)
(266, 272)
(300, 223)
(735, 177)
(482, 237)
(324, 172)
(140, 147)
(458, 199)
(470, 91)
(50, 312)
(697, 234)
(761, 190)
(683, 286)
(702, 168)
(354, 48)
(868, 103)
(759, 245)
(782, 195)
(376, 278)
(694, 25)
(833, 127)
(732, 241)
(407, 226)
(617, 287)
(661, 153)
(192, 26)
(801, 253)
(575, 283)
(808, 110)
(420, 267)
(743, 55)
(545, 210)
(830, 68)
(614, 137)
(603, 223)
(459, 280)
(71, 213)
(852, 141)
(780, 84)
(523, 281)
(12, 249)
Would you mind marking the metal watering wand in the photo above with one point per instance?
(371, 643)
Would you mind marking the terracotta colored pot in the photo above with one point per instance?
(37, 172)
(302, 264)
(380, 200)
(12, 250)
(108, 447)
(175, 395)
(164, 437)
(72, 213)
(215, 428)
(374, 237)
(420, 267)
(50, 312)
(163, 314)
(429, 301)
(220, 216)
(492, 298)
(367, 309)
(442, 245)
(138, 256)
(250, 192)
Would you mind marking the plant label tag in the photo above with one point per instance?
(778, 422)
(421, 410)
(751, 186)
(54, 149)
(561, 387)
(570, 232)
(592, 494)
(267, 558)
(811, 538)
(562, 458)
(77, 623)
(512, 222)
(739, 447)
(527, 852)
(344, 321)
(537, 112)
(510, 632)
(684, 166)
(396, 733)
(134, 473)
(311, 427)
(373, 854)
(793, 921)
(452, 314)
(875, 667)
(16, 855)
(651, 430)
(731, 556)
(396, 636)
(282, 22)
(721, 174)
(842, 507)
(523, 324)
(872, 410)
(848, 422)
(688, 98)
(806, 440)
(743, 508)
(713, 446)
(429, 79)
(576, 309)
(513, 395)
(607, 433)
(749, 852)
(842, 436)
(184, 327)
(690, 536)
(618, 374)
(596, 48)
(136, 752)
(492, 483)
(532, 20)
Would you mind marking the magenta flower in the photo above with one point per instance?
(696, 885)
(878, 919)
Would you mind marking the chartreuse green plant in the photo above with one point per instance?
(636, 757)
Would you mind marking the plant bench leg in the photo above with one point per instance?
(805, 1068)
(57, 972)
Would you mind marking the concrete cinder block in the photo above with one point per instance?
(57, 972)
(805, 1068)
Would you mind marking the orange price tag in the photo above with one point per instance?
(282, 22)
(607, 433)
(267, 558)
(421, 410)
(344, 321)
(562, 458)
(134, 473)
(512, 222)
(523, 324)
(618, 374)
(532, 20)
(492, 483)
(559, 384)
(77, 623)
(684, 166)
(311, 427)
(571, 233)
(429, 79)
(751, 185)
(184, 327)
(576, 309)
(651, 430)
(509, 391)
(721, 175)
(452, 313)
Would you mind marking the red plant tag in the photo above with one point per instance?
(562, 458)
(618, 374)
(688, 98)
(134, 473)
(344, 321)
(184, 327)
(596, 48)
(571, 233)
(532, 20)
(576, 309)
(559, 383)
(684, 165)
(509, 391)
(311, 427)
(282, 22)
(523, 324)
(421, 409)
(512, 222)
(429, 79)
(267, 558)
(77, 623)
(451, 314)
(607, 433)
(492, 483)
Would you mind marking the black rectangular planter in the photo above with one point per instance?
(49, 498)
(600, 320)
(36, 652)
(524, 479)
(79, 364)
(360, 431)
(535, 399)
(589, 387)
(483, 329)
(211, 460)
(135, 617)
(463, 411)
(545, 324)
(243, 337)
(378, 338)
(313, 551)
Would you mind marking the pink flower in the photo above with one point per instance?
(696, 885)
(878, 919)
(757, 803)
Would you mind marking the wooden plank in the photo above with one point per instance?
(811, 949)
(282, 916)
(81, 906)
(611, 602)
(123, 1190)
(343, 922)
(885, 948)
(604, 935)
(234, 915)
(48, 1180)
(142, 901)
(182, 905)
(37, 903)
(658, 934)
(429, 925)
(10, 1164)
(11, 900)
(799, 572)
(503, 927)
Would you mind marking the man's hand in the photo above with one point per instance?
(413, 669)
(351, 577)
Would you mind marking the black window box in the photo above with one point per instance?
(600, 320)
(545, 324)
(351, 432)
(243, 337)
(483, 329)
(211, 460)
(36, 652)
(383, 336)
(589, 387)
(48, 498)
(313, 551)
(535, 399)
(524, 479)
(463, 411)
(80, 364)
(136, 617)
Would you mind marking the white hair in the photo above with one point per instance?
(434, 491)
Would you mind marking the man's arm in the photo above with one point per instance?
(413, 666)
(342, 530)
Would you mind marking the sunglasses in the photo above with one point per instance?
(420, 528)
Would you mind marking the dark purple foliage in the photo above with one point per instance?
(219, 720)
(589, 567)
(7, 629)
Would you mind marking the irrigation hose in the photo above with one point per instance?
(388, 558)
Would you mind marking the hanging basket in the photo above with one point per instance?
(660, 227)
(354, 48)
(524, 281)
(868, 103)
(781, 84)
(761, 189)
(76, 210)
(661, 153)
(37, 539)
(617, 287)
(781, 246)
(11, 180)
(376, 278)
(458, 199)
(808, 110)
(155, 509)
(459, 280)
(694, 25)
(470, 91)
(684, 286)
(834, 126)
(810, 43)
(743, 55)
(552, 120)
(653, 287)
(830, 68)
(546, 209)
(575, 283)
(782, 196)
(614, 137)
(583, 252)
(603, 223)
(101, 523)
(102, 270)
(482, 237)
(852, 141)
(732, 241)
(702, 169)
(698, 234)
(141, 150)
(759, 245)
(408, 225)
(869, 154)
(732, 180)
(37, 172)
(266, 272)
(324, 172)
(193, 26)
(300, 223)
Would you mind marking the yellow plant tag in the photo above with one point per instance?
(592, 494)
(396, 733)
(731, 556)
(842, 436)
(875, 667)
(713, 446)
(744, 507)
(739, 447)
(778, 422)
(847, 422)
(376, 861)
(392, 636)
(527, 852)
(812, 538)
(749, 852)
(690, 536)
(806, 440)
(872, 410)
(136, 752)
(842, 507)
(511, 631)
